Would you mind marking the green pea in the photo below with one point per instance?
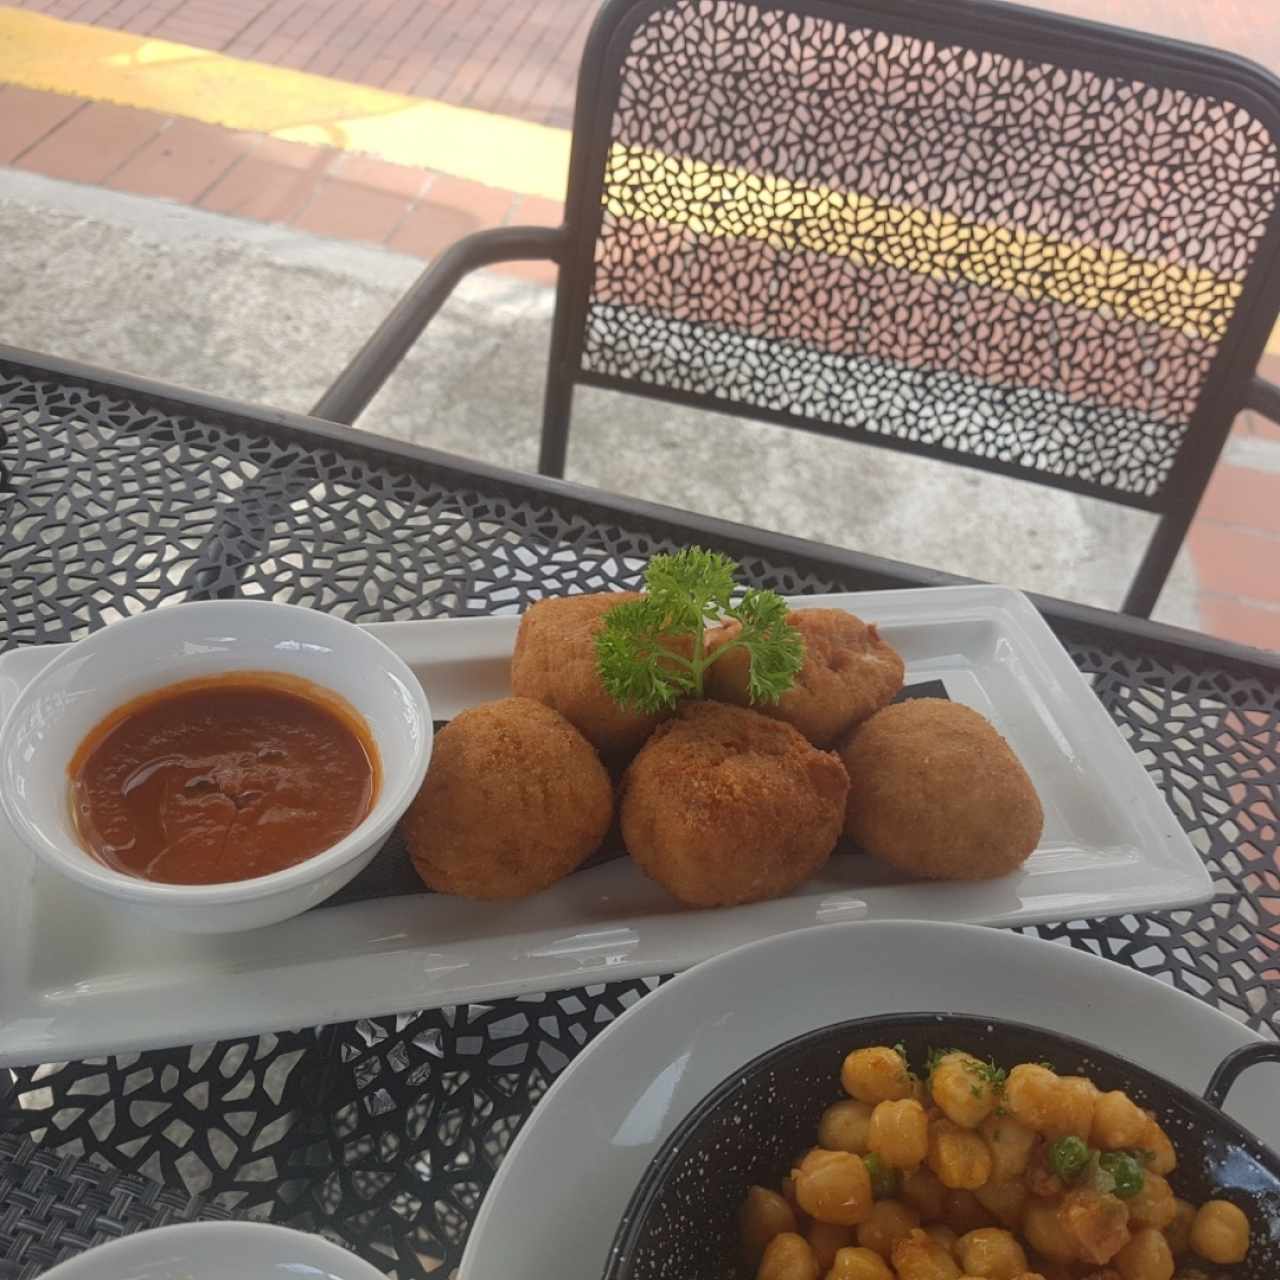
(1068, 1157)
(1126, 1171)
(884, 1178)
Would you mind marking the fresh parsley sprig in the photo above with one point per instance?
(652, 652)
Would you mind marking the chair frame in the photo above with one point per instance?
(1231, 385)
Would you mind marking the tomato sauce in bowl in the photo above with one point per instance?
(223, 779)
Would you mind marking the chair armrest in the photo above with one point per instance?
(359, 382)
(1264, 397)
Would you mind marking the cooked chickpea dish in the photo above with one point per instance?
(974, 1173)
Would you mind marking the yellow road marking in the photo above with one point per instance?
(38, 52)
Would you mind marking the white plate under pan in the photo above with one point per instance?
(559, 1194)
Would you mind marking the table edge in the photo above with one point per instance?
(1080, 619)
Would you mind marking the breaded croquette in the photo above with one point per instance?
(849, 672)
(936, 791)
(555, 663)
(514, 799)
(724, 805)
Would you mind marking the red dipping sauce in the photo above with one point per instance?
(223, 779)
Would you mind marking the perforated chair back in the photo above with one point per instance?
(1024, 243)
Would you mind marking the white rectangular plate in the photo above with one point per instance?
(77, 978)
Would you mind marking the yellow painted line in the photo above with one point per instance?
(38, 52)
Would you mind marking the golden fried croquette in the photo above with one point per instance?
(554, 662)
(936, 791)
(724, 805)
(514, 799)
(849, 672)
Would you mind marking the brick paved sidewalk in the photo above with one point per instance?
(520, 57)
(316, 189)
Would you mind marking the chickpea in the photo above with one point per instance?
(943, 1234)
(826, 1240)
(834, 1186)
(958, 1156)
(1040, 1178)
(1178, 1230)
(961, 1086)
(844, 1127)
(924, 1193)
(1045, 1234)
(918, 1256)
(899, 1133)
(1220, 1232)
(992, 1253)
(1029, 1094)
(963, 1212)
(1097, 1224)
(859, 1264)
(887, 1223)
(1145, 1257)
(1154, 1205)
(1164, 1159)
(1010, 1143)
(1072, 1108)
(764, 1214)
(1005, 1201)
(788, 1257)
(1117, 1122)
(876, 1075)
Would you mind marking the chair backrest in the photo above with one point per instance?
(1030, 244)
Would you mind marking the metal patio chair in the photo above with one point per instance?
(1029, 244)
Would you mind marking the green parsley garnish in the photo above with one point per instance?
(684, 593)
(985, 1072)
(935, 1056)
(989, 1073)
(885, 1180)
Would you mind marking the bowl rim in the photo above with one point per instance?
(81, 867)
(641, 1202)
(323, 1251)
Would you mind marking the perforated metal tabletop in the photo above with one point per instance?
(384, 1133)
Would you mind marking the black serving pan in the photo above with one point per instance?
(681, 1222)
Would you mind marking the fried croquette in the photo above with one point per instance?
(936, 791)
(514, 799)
(554, 663)
(724, 805)
(849, 672)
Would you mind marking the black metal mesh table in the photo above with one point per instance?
(384, 1133)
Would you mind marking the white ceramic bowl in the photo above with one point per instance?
(216, 1251)
(150, 650)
